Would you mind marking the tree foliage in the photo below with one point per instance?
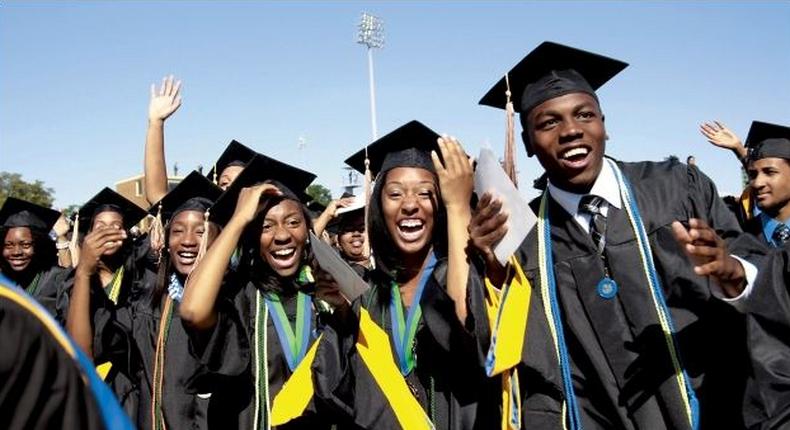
(320, 194)
(12, 185)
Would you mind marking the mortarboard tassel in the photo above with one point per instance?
(368, 191)
(158, 234)
(510, 137)
(74, 246)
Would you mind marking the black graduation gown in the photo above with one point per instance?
(49, 284)
(139, 277)
(42, 387)
(225, 355)
(450, 384)
(127, 336)
(620, 364)
(768, 322)
(136, 282)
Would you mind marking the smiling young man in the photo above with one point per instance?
(768, 318)
(628, 320)
(768, 166)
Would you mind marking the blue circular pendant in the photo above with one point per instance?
(607, 288)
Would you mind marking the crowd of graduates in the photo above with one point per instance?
(639, 299)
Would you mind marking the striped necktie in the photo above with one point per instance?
(591, 205)
(781, 234)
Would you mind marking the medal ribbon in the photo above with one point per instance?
(113, 290)
(32, 289)
(294, 344)
(404, 330)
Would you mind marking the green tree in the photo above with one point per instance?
(12, 185)
(320, 194)
(70, 210)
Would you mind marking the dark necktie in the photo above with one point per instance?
(781, 234)
(591, 205)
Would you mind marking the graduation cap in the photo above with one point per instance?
(552, 70)
(235, 154)
(194, 192)
(342, 214)
(766, 140)
(109, 200)
(409, 145)
(20, 213)
(290, 180)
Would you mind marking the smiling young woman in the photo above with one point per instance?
(144, 338)
(418, 214)
(253, 327)
(29, 258)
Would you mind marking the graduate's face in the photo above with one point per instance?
(108, 219)
(770, 182)
(409, 202)
(228, 175)
(568, 136)
(18, 248)
(283, 237)
(186, 231)
(351, 237)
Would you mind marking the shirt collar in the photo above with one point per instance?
(605, 186)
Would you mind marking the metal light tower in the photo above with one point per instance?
(371, 34)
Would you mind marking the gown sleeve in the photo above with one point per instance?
(768, 331)
(224, 349)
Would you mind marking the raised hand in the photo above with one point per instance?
(164, 101)
(456, 180)
(97, 243)
(719, 135)
(61, 226)
(249, 201)
(709, 255)
(334, 205)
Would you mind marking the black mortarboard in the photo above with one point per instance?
(552, 70)
(766, 140)
(109, 200)
(20, 213)
(235, 154)
(290, 180)
(409, 145)
(194, 192)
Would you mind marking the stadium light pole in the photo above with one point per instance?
(371, 34)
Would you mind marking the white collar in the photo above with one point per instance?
(605, 186)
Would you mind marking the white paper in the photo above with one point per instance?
(350, 284)
(491, 177)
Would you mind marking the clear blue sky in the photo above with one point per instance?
(74, 79)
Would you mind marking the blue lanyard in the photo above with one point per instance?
(404, 331)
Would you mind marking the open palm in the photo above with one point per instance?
(166, 100)
(719, 135)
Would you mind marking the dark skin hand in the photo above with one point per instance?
(326, 289)
(710, 257)
(486, 229)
